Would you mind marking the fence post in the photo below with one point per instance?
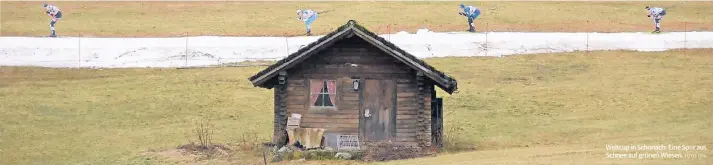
(79, 50)
(487, 28)
(586, 52)
(287, 47)
(685, 37)
(186, 51)
(388, 32)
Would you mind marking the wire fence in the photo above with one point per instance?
(206, 51)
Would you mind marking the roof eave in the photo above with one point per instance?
(271, 74)
(442, 80)
(443, 83)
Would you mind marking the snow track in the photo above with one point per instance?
(208, 50)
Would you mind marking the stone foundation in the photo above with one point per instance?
(385, 151)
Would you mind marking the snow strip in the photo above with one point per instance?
(211, 50)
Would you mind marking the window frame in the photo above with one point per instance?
(324, 84)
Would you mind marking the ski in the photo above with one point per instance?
(55, 36)
(48, 36)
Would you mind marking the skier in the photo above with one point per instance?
(308, 16)
(656, 13)
(53, 12)
(472, 13)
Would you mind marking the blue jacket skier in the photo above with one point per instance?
(471, 12)
(308, 16)
(656, 13)
(52, 11)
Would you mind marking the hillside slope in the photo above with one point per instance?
(549, 109)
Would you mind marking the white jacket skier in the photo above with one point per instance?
(52, 11)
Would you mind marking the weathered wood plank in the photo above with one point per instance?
(295, 107)
(334, 112)
(328, 125)
(348, 55)
(377, 96)
(349, 94)
(384, 69)
(325, 120)
(350, 48)
(346, 82)
(354, 109)
(360, 69)
(407, 107)
(348, 104)
(423, 92)
(405, 99)
(353, 130)
(406, 122)
(406, 127)
(404, 117)
(295, 82)
(332, 70)
(347, 88)
(409, 130)
(350, 98)
(336, 116)
(296, 86)
(414, 89)
(297, 99)
(406, 85)
(365, 58)
(405, 81)
(302, 110)
(408, 100)
(348, 108)
(361, 75)
(337, 54)
(297, 92)
(407, 135)
(406, 94)
(427, 113)
(387, 102)
(406, 113)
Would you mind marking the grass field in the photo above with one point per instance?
(529, 109)
(143, 19)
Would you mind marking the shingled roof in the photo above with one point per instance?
(351, 28)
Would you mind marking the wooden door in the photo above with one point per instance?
(377, 111)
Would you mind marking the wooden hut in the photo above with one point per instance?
(353, 82)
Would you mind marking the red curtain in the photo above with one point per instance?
(332, 87)
(315, 86)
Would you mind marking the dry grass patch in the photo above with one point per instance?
(528, 109)
(143, 19)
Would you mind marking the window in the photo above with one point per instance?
(323, 93)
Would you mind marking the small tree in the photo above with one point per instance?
(204, 132)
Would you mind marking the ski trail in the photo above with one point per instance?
(210, 50)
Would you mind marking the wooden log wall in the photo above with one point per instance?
(280, 122)
(424, 110)
(353, 58)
